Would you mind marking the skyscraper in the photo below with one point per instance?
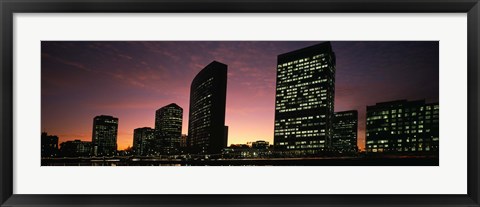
(104, 136)
(168, 127)
(345, 127)
(143, 141)
(208, 93)
(406, 127)
(304, 100)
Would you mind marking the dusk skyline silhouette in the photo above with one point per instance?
(130, 80)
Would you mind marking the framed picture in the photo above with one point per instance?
(200, 103)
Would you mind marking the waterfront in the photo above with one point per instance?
(314, 161)
(304, 111)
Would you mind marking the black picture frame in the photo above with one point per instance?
(10, 7)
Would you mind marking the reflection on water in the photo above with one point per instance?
(337, 161)
(108, 164)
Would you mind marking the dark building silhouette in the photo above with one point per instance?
(304, 100)
(345, 127)
(225, 135)
(168, 128)
(257, 149)
(407, 127)
(125, 152)
(206, 128)
(183, 141)
(104, 138)
(49, 145)
(76, 148)
(260, 144)
(143, 141)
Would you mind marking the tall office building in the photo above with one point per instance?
(49, 145)
(144, 141)
(168, 127)
(345, 127)
(208, 93)
(304, 100)
(104, 136)
(406, 127)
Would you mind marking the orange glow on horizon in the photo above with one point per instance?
(131, 79)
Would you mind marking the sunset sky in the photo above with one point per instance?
(130, 80)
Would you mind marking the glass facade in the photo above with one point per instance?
(208, 92)
(402, 127)
(304, 100)
(104, 138)
(345, 129)
(168, 127)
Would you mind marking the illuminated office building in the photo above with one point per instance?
(408, 127)
(104, 138)
(168, 127)
(345, 127)
(206, 129)
(144, 141)
(305, 100)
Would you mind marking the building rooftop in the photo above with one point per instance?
(310, 49)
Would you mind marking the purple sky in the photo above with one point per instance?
(130, 80)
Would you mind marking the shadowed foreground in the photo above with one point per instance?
(336, 161)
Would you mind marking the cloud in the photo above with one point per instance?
(142, 77)
(69, 63)
(125, 56)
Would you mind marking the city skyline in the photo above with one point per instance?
(251, 96)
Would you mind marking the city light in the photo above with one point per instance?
(306, 126)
